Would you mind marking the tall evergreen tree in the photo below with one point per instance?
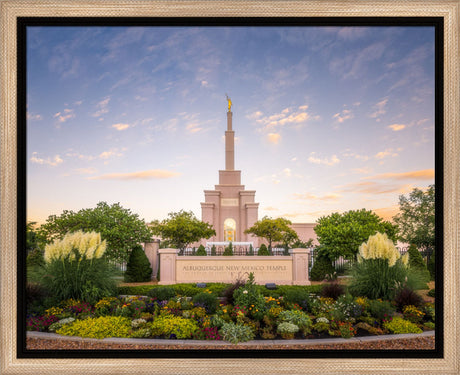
(138, 268)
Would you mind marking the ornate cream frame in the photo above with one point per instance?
(11, 9)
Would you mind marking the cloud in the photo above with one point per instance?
(204, 83)
(287, 172)
(270, 208)
(102, 107)
(309, 196)
(326, 161)
(356, 156)
(273, 138)
(396, 127)
(283, 118)
(379, 108)
(372, 187)
(254, 115)
(89, 170)
(120, 127)
(389, 152)
(55, 161)
(193, 127)
(424, 174)
(346, 114)
(65, 115)
(33, 117)
(141, 175)
(387, 213)
(365, 170)
(109, 154)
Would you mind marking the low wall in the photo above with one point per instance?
(282, 270)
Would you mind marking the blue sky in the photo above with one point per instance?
(326, 119)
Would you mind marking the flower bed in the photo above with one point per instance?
(244, 315)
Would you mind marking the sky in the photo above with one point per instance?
(326, 119)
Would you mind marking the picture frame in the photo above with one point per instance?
(12, 10)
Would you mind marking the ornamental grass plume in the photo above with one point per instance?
(75, 268)
(379, 246)
(86, 245)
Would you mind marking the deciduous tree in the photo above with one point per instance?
(416, 218)
(182, 228)
(121, 228)
(273, 230)
(342, 234)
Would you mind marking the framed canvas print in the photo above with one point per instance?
(264, 187)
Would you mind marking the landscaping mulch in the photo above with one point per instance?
(417, 343)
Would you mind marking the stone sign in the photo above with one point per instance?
(287, 270)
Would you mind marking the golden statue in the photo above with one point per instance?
(229, 103)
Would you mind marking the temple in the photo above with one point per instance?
(229, 208)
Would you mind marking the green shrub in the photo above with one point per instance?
(236, 333)
(228, 250)
(60, 323)
(432, 293)
(430, 325)
(98, 328)
(251, 250)
(416, 262)
(432, 266)
(201, 251)
(322, 267)
(162, 293)
(230, 290)
(248, 296)
(168, 325)
(206, 300)
(415, 258)
(287, 330)
(299, 318)
(381, 310)
(399, 325)
(138, 268)
(213, 250)
(298, 295)
(374, 278)
(263, 251)
(76, 269)
(35, 258)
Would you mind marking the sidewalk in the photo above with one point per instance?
(217, 344)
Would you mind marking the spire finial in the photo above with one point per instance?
(229, 103)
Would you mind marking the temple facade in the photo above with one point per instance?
(229, 208)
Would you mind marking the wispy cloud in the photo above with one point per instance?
(54, 161)
(389, 152)
(65, 115)
(32, 117)
(387, 213)
(396, 127)
(287, 116)
(141, 175)
(325, 161)
(379, 109)
(349, 154)
(424, 174)
(273, 138)
(114, 152)
(89, 170)
(310, 196)
(120, 126)
(102, 107)
(373, 187)
(346, 114)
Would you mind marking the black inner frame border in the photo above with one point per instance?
(24, 22)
